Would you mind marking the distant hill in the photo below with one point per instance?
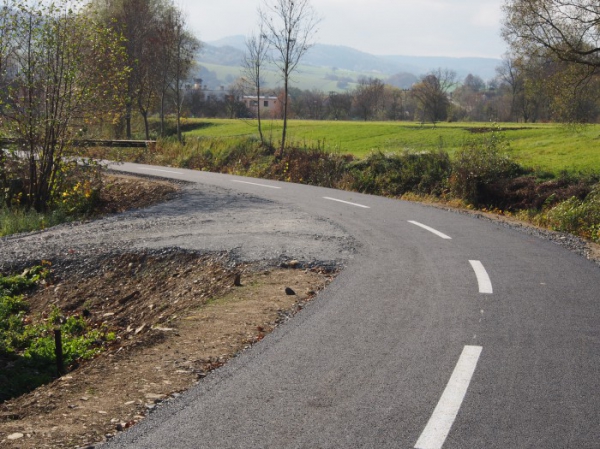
(483, 67)
(229, 52)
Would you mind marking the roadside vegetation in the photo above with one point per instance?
(27, 343)
(76, 196)
(71, 71)
(481, 172)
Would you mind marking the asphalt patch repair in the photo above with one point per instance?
(177, 315)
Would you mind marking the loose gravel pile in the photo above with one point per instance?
(201, 218)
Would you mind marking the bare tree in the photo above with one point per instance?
(165, 35)
(290, 26)
(368, 96)
(510, 73)
(185, 49)
(339, 105)
(569, 29)
(393, 103)
(432, 95)
(256, 55)
(232, 101)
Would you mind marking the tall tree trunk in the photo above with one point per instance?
(128, 109)
(162, 114)
(285, 115)
(260, 133)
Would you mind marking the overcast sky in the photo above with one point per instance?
(382, 27)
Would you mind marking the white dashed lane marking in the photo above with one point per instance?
(434, 231)
(162, 171)
(483, 279)
(346, 202)
(440, 423)
(256, 184)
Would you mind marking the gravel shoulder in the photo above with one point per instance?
(163, 279)
(199, 218)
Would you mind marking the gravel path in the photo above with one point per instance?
(202, 218)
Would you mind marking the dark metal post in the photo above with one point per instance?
(58, 350)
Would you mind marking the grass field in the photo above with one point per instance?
(305, 78)
(548, 147)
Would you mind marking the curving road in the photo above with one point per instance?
(443, 331)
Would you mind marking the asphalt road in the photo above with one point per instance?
(442, 331)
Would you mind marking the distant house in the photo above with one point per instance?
(269, 105)
(215, 94)
(218, 94)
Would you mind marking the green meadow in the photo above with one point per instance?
(305, 78)
(547, 147)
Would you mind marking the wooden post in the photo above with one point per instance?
(58, 350)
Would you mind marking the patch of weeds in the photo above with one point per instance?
(576, 216)
(27, 345)
(396, 174)
(480, 163)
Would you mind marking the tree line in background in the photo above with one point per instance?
(549, 74)
(525, 90)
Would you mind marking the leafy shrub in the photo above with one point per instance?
(529, 193)
(396, 174)
(79, 189)
(308, 166)
(75, 195)
(577, 216)
(480, 163)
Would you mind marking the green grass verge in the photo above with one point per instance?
(14, 221)
(545, 147)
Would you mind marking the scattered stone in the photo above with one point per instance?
(15, 436)
(129, 297)
(153, 396)
(289, 291)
